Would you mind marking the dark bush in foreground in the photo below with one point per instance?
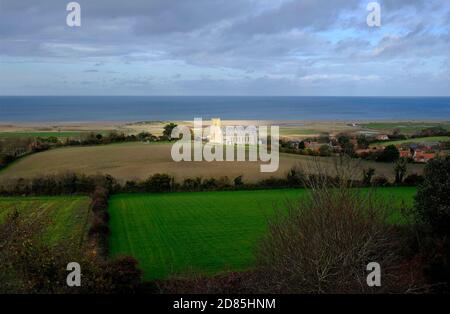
(323, 245)
(433, 196)
(29, 266)
(432, 208)
(124, 274)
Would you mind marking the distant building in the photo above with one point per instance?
(420, 156)
(405, 153)
(239, 136)
(382, 137)
(215, 133)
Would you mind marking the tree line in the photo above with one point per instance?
(81, 184)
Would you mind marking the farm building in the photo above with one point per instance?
(382, 137)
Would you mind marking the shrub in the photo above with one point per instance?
(432, 208)
(363, 141)
(168, 130)
(367, 176)
(323, 244)
(192, 184)
(238, 182)
(59, 184)
(209, 184)
(99, 227)
(158, 183)
(223, 183)
(5, 159)
(103, 216)
(325, 150)
(272, 182)
(124, 274)
(432, 202)
(413, 180)
(131, 186)
(29, 266)
(296, 177)
(380, 181)
(389, 154)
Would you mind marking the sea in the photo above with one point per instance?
(20, 109)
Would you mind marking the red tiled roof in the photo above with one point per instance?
(405, 153)
(425, 156)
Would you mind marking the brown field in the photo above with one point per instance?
(139, 160)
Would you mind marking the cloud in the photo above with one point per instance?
(183, 44)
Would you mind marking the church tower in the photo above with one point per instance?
(215, 133)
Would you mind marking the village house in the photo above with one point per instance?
(421, 156)
(382, 137)
(405, 153)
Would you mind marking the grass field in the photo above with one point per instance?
(39, 134)
(66, 217)
(139, 160)
(295, 131)
(205, 232)
(405, 127)
(415, 140)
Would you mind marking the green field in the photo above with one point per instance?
(64, 134)
(205, 232)
(415, 140)
(65, 217)
(405, 127)
(297, 131)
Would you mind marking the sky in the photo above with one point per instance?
(225, 47)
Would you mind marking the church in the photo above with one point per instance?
(234, 136)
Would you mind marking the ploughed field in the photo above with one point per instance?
(204, 232)
(64, 219)
(138, 160)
